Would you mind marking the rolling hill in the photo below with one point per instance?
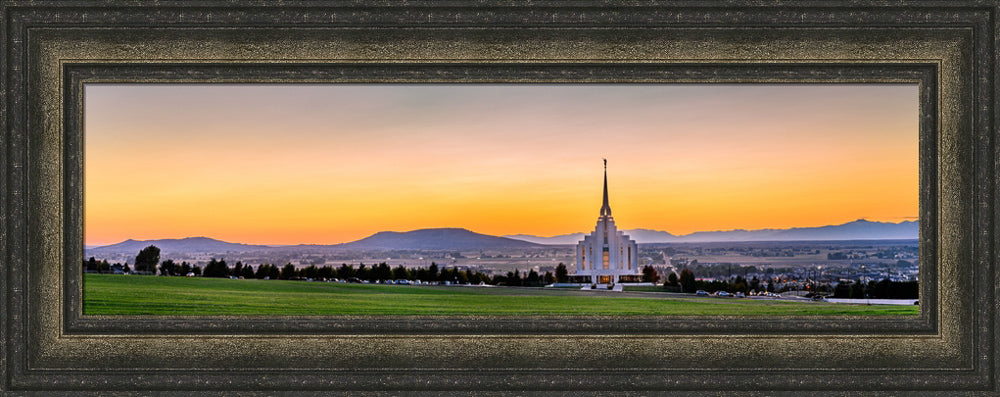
(860, 229)
(463, 239)
(188, 244)
(436, 239)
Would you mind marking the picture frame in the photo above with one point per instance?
(52, 48)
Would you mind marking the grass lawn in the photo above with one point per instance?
(106, 294)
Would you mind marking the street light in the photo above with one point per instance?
(819, 269)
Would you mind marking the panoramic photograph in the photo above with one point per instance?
(501, 199)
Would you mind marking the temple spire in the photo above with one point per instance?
(605, 207)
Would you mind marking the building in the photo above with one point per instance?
(607, 255)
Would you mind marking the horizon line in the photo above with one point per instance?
(906, 219)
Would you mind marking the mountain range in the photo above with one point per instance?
(422, 239)
(463, 239)
(189, 244)
(436, 239)
(860, 229)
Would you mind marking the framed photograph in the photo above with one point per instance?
(797, 144)
(304, 186)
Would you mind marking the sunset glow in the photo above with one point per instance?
(325, 164)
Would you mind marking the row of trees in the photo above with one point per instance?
(687, 282)
(683, 283)
(532, 279)
(380, 272)
(884, 289)
(92, 265)
(147, 261)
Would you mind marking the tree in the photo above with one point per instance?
(400, 273)
(562, 275)
(532, 280)
(432, 272)
(362, 272)
(672, 280)
(196, 270)
(383, 271)
(216, 268)
(514, 278)
(237, 269)
(548, 278)
(740, 285)
(672, 284)
(103, 266)
(147, 259)
(345, 271)
(309, 272)
(842, 290)
(263, 271)
(168, 268)
(288, 272)
(688, 283)
(90, 265)
(211, 268)
(325, 273)
(649, 274)
(247, 272)
(185, 268)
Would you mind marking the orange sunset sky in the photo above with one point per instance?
(325, 164)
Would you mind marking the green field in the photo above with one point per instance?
(130, 295)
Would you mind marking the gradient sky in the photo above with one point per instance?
(288, 164)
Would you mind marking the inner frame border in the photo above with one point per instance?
(78, 75)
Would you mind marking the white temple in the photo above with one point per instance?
(607, 255)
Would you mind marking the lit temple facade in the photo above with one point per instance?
(607, 255)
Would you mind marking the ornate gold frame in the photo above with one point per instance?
(50, 49)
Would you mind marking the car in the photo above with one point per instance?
(701, 292)
(722, 293)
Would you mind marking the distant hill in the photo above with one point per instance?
(554, 240)
(436, 239)
(423, 239)
(639, 235)
(189, 244)
(858, 230)
(649, 236)
(462, 239)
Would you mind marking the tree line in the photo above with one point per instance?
(92, 265)
(148, 261)
(884, 289)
